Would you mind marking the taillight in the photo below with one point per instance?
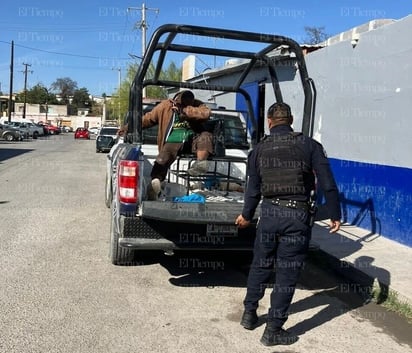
(127, 177)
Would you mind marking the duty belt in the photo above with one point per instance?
(298, 205)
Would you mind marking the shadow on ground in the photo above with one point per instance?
(333, 294)
(7, 153)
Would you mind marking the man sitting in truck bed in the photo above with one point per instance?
(183, 114)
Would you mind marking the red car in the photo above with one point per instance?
(82, 133)
(52, 130)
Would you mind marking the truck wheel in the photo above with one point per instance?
(119, 255)
(108, 195)
(35, 135)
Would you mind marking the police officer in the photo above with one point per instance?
(282, 168)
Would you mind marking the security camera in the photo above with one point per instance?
(355, 40)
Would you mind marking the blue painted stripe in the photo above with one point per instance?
(376, 197)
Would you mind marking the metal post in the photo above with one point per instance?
(104, 110)
(25, 89)
(47, 103)
(143, 26)
(11, 82)
(119, 85)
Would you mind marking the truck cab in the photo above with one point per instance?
(196, 213)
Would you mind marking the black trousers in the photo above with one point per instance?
(282, 243)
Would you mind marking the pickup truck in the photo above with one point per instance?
(198, 213)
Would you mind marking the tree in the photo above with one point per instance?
(81, 98)
(120, 102)
(65, 87)
(315, 35)
(172, 73)
(38, 94)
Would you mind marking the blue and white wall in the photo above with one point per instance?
(364, 121)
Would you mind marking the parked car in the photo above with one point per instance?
(65, 128)
(44, 127)
(22, 127)
(31, 129)
(94, 130)
(10, 133)
(106, 138)
(35, 131)
(52, 129)
(82, 133)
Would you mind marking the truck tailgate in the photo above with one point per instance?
(196, 213)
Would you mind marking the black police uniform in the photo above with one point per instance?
(282, 169)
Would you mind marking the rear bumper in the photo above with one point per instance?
(165, 245)
(171, 226)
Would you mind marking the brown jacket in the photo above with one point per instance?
(162, 115)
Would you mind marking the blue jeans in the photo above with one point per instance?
(281, 245)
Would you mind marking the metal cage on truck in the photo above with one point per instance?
(140, 224)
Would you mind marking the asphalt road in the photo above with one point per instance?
(60, 293)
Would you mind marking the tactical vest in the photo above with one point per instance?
(283, 167)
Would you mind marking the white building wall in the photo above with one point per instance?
(364, 94)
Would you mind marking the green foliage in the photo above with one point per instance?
(76, 98)
(38, 94)
(119, 104)
(81, 98)
(393, 303)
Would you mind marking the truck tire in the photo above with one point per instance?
(108, 194)
(118, 255)
(35, 135)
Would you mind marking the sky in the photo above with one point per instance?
(92, 42)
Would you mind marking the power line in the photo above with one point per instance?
(67, 54)
(73, 28)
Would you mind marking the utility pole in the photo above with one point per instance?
(143, 26)
(25, 89)
(47, 104)
(104, 109)
(9, 108)
(119, 70)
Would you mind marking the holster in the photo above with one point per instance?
(312, 208)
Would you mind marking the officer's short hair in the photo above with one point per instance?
(279, 110)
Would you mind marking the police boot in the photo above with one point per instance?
(273, 336)
(249, 319)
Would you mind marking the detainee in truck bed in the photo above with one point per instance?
(196, 211)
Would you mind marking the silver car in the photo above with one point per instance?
(10, 133)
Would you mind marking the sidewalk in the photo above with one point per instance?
(364, 257)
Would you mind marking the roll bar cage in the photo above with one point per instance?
(163, 41)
